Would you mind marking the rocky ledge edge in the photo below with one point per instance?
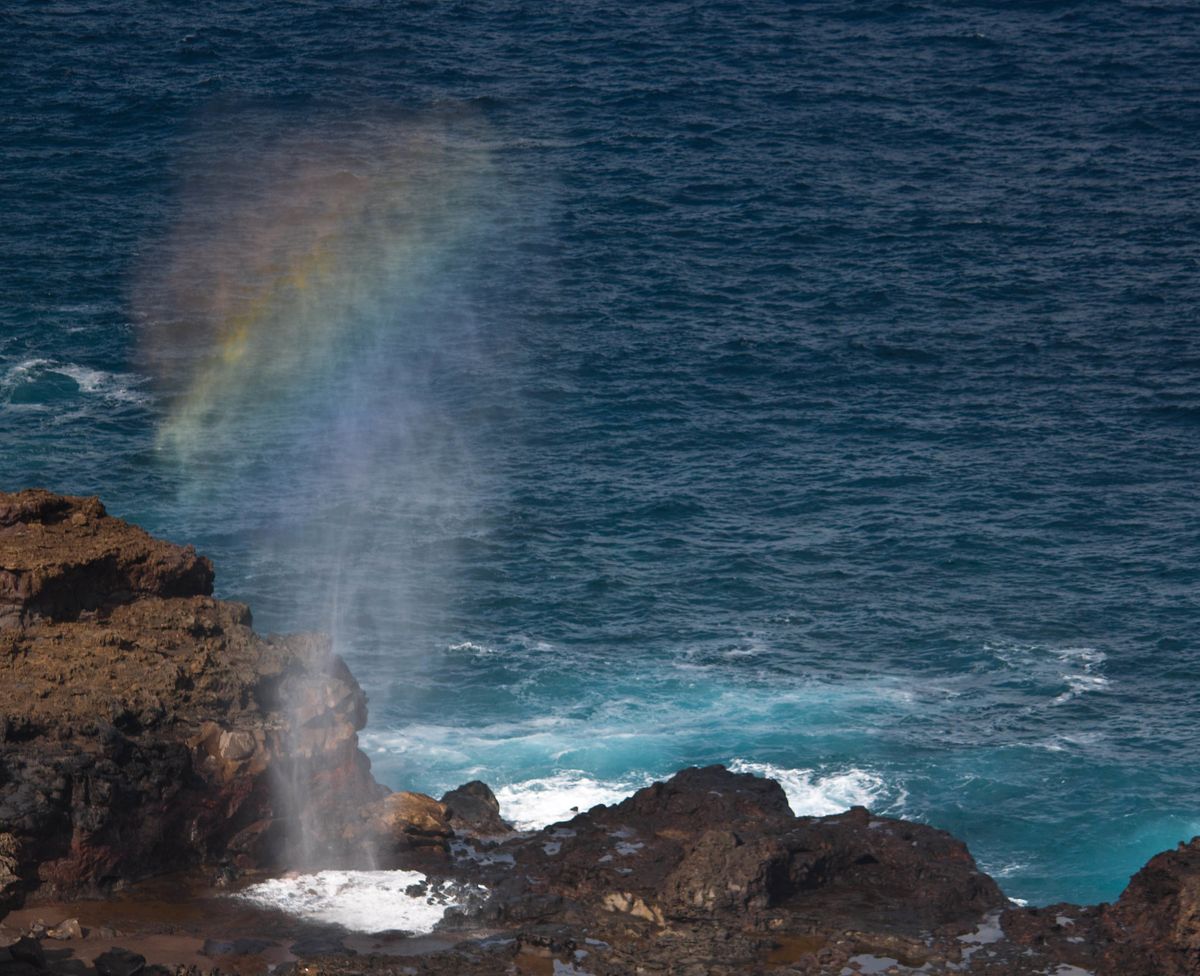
(145, 728)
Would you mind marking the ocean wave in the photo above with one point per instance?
(28, 374)
(814, 794)
(364, 901)
(1065, 741)
(1079, 668)
(120, 387)
(536, 803)
(1082, 677)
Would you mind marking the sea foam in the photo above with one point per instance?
(535, 803)
(111, 386)
(814, 794)
(364, 901)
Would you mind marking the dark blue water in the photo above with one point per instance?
(813, 387)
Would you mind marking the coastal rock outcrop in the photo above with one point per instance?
(712, 845)
(144, 726)
(474, 811)
(1155, 924)
(711, 867)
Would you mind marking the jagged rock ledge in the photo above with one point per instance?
(145, 728)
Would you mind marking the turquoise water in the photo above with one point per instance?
(810, 387)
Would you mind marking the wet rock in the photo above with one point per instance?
(235, 947)
(28, 950)
(11, 967)
(473, 810)
(119, 962)
(319, 946)
(401, 823)
(710, 846)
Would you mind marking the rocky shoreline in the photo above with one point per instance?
(146, 729)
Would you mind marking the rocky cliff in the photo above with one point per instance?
(145, 727)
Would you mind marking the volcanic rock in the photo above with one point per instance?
(711, 846)
(474, 810)
(398, 825)
(29, 951)
(144, 726)
(119, 962)
(62, 557)
(68, 928)
(1155, 924)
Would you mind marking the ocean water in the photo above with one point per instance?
(810, 387)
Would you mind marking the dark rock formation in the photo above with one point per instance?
(119, 962)
(473, 810)
(711, 867)
(1155, 924)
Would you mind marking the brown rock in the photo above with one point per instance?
(61, 557)
(398, 824)
(68, 928)
(474, 811)
(1155, 924)
(709, 847)
(144, 726)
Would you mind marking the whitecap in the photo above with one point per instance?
(1008, 870)
(1080, 684)
(1079, 667)
(535, 803)
(470, 647)
(118, 387)
(111, 386)
(814, 794)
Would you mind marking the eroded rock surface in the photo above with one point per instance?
(144, 726)
(61, 557)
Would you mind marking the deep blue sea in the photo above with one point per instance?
(807, 386)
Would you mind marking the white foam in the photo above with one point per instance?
(470, 647)
(535, 803)
(364, 901)
(19, 372)
(117, 387)
(1080, 684)
(812, 794)
(1066, 740)
(111, 386)
(1010, 869)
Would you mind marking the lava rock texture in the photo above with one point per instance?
(145, 727)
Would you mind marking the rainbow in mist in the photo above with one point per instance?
(289, 268)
